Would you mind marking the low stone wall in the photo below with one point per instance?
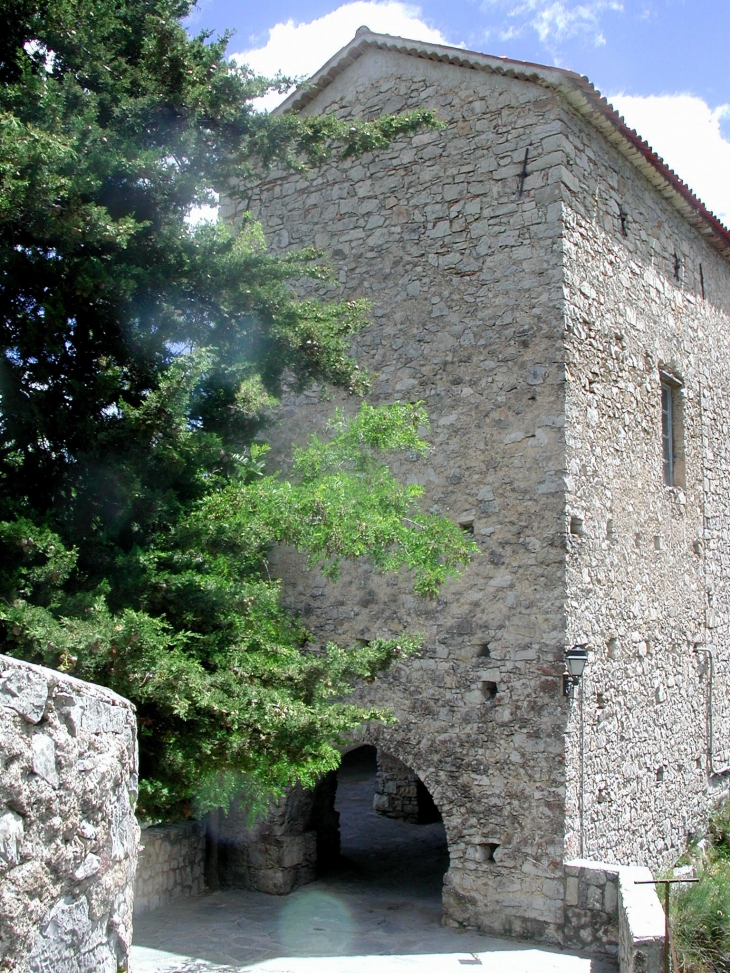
(68, 835)
(606, 912)
(591, 906)
(640, 922)
(171, 865)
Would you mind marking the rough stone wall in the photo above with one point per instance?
(396, 790)
(648, 565)
(591, 906)
(465, 276)
(68, 835)
(534, 327)
(171, 865)
(399, 793)
(283, 851)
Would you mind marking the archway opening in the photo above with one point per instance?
(392, 841)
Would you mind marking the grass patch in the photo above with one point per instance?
(701, 911)
(701, 921)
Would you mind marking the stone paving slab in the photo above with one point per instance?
(328, 928)
(499, 957)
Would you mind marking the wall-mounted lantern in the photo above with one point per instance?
(575, 663)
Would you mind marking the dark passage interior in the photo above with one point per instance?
(400, 851)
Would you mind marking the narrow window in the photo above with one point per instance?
(672, 431)
(667, 434)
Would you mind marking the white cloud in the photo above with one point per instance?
(299, 49)
(685, 132)
(553, 21)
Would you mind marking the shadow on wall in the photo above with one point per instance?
(373, 882)
(399, 793)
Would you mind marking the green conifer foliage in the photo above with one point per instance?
(140, 357)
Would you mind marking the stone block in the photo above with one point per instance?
(610, 898)
(571, 891)
(11, 837)
(44, 758)
(381, 803)
(594, 898)
(25, 691)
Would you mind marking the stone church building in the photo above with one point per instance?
(560, 301)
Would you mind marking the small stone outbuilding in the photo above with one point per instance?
(560, 301)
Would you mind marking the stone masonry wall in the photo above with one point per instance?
(465, 276)
(396, 790)
(171, 865)
(281, 852)
(534, 326)
(648, 565)
(591, 906)
(274, 856)
(68, 835)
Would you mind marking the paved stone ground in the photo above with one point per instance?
(380, 912)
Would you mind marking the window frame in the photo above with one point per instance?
(672, 427)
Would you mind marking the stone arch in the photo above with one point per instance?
(424, 807)
(408, 757)
(300, 836)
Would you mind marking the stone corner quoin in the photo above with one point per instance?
(539, 293)
(68, 834)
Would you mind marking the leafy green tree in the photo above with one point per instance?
(141, 356)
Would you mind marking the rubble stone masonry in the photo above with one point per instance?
(68, 835)
(534, 331)
(647, 575)
(171, 865)
(466, 284)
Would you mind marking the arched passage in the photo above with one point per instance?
(392, 841)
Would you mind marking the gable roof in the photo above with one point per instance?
(577, 90)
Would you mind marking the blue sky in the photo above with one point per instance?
(663, 63)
